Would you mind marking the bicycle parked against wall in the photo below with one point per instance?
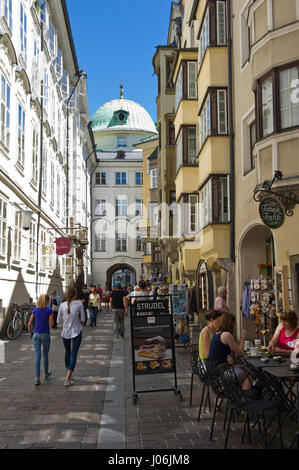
(15, 326)
(20, 320)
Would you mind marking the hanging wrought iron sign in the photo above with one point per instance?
(271, 212)
(274, 205)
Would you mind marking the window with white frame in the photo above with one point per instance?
(267, 107)
(101, 177)
(100, 242)
(221, 23)
(52, 199)
(52, 40)
(120, 241)
(204, 39)
(64, 84)
(154, 178)
(59, 65)
(121, 141)
(58, 200)
(17, 240)
(7, 11)
(222, 112)
(193, 213)
(23, 32)
(21, 135)
(192, 83)
(205, 121)
(35, 151)
(206, 205)
(3, 227)
(179, 88)
(45, 171)
(5, 112)
(289, 109)
(191, 133)
(121, 206)
(179, 151)
(215, 201)
(139, 204)
(32, 243)
(46, 89)
(100, 208)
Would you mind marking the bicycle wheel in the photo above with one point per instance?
(14, 328)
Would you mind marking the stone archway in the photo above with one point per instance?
(118, 267)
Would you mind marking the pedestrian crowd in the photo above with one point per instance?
(72, 313)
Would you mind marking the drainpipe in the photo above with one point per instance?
(94, 151)
(231, 136)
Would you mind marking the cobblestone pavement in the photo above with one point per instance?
(98, 411)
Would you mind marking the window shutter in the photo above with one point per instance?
(221, 26)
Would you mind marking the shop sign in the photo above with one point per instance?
(63, 245)
(271, 212)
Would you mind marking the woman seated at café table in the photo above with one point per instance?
(286, 334)
(207, 333)
(223, 343)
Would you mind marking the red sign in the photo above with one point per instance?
(63, 246)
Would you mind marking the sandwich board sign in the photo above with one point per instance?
(152, 339)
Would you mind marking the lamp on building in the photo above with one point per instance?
(26, 215)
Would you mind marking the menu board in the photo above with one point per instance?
(152, 344)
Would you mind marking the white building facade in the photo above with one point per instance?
(117, 205)
(47, 153)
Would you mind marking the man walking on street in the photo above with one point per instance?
(118, 305)
(54, 305)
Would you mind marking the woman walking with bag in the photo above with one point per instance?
(42, 316)
(71, 315)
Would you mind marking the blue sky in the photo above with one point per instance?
(115, 40)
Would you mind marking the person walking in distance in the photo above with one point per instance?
(71, 315)
(54, 305)
(42, 316)
(118, 305)
(84, 297)
(100, 292)
(94, 305)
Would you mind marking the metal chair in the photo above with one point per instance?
(238, 402)
(198, 369)
(215, 383)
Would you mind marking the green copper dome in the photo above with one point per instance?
(123, 115)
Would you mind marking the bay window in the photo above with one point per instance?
(186, 147)
(186, 84)
(213, 28)
(276, 109)
(215, 201)
(213, 115)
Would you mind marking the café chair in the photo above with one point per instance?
(198, 370)
(216, 386)
(239, 402)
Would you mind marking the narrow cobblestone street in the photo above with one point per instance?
(97, 412)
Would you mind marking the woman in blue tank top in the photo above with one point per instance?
(223, 343)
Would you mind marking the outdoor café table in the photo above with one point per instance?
(257, 362)
(288, 378)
